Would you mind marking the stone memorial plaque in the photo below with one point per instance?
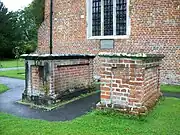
(107, 44)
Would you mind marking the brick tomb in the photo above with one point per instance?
(52, 78)
(130, 82)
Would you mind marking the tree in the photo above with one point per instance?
(20, 28)
(38, 7)
(28, 29)
(6, 32)
(29, 20)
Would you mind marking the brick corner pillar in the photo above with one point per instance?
(130, 82)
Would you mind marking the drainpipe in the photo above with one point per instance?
(51, 19)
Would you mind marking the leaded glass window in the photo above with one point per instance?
(120, 17)
(108, 18)
(96, 18)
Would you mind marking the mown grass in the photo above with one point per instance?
(11, 63)
(170, 88)
(19, 74)
(163, 120)
(3, 88)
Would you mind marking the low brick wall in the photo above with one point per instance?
(51, 78)
(73, 76)
(130, 82)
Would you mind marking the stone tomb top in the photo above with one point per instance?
(55, 56)
(130, 55)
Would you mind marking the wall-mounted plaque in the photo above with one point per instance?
(107, 44)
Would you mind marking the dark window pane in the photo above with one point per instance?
(108, 17)
(96, 18)
(121, 17)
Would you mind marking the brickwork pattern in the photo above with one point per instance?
(65, 76)
(151, 83)
(37, 78)
(72, 77)
(155, 28)
(129, 83)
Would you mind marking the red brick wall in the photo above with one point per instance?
(37, 78)
(129, 83)
(71, 77)
(154, 29)
(60, 77)
(151, 83)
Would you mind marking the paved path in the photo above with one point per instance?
(171, 94)
(14, 68)
(68, 112)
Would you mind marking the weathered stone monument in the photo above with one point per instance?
(52, 78)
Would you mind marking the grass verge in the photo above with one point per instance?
(170, 88)
(3, 88)
(163, 120)
(11, 63)
(20, 74)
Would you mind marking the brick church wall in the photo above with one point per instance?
(155, 28)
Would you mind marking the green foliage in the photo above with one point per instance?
(3, 88)
(30, 46)
(6, 30)
(27, 28)
(38, 7)
(19, 29)
(163, 120)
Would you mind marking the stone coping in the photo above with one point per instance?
(55, 56)
(131, 55)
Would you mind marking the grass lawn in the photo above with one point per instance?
(13, 74)
(163, 120)
(3, 88)
(11, 63)
(170, 88)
